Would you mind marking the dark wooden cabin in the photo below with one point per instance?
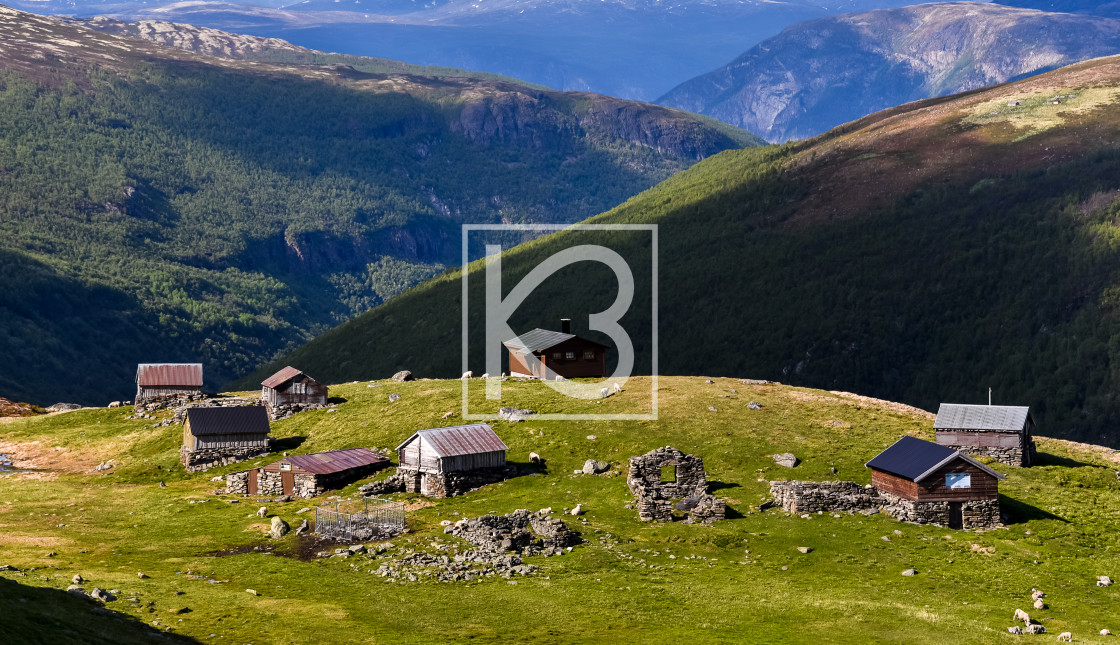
(216, 436)
(432, 459)
(290, 386)
(937, 484)
(308, 475)
(1002, 432)
(558, 353)
(167, 379)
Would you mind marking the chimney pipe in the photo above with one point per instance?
(566, 325)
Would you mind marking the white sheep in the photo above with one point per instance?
(535, 458)
(578, 509)
(1066, 636)
(604, 393)
(1022, 615)
(1037, 593)
(466, 375)
(1038, 604)
(617, 388)
(545, 511)
(485, 376)
(559, 378)
(1105, 632)
(262, 511)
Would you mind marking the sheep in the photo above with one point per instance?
(1022, 615)
(545, 511)
(559, 378)
(578, 509)
(1066, 636)
(485, 376)
(604, 393)
(617, 388)
(1035, 629)
(262, 511)
(466, 375)
(115, 404)
(1038, 604)
(1036, 594)
(535, 458)
(1105, 632)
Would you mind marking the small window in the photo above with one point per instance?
(958, 480)
(556, 356)
(589, 355)
(285, 466)
(571, 356)
(668, 474)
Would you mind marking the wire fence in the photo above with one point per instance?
(359, 520)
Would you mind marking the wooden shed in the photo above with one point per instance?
(927, 482)
(557, 353)
(308, 475)
(167, 379)
(291, 387)
(1002, 432)
(215, 436)
(442, 462)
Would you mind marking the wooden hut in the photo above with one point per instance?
(1002, 432)
(223, 435)
(442, 462)
(558, 353)
(926, 482)
(167, 379)
(291, 388)
(307, 475)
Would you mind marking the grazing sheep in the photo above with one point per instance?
(617, 388)
(466, 375)
(545, 511)
(1036, 594)
(115, 404)
(604, 393)
(1022, 615)
(1038, 604)
(1065, 636)
(578, 509)
(485, 376)
(535, 458)
(1105, 632)
(262, 511)
(1015, 630)
(559, 378)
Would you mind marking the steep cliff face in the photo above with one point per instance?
(819, 74)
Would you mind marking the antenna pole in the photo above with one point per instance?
(989, 396)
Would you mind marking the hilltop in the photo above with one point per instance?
(161, 204)
(818, 74)
(921, 254)
(628, 581)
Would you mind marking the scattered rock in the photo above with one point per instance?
(102, 595)
(594, 467)
(754, 405)
(1015, 630)
(833, 470)
(302, 510)
(252, 592)
(751, 381)
(279, 527)
(807, 549)
(909, 572)
(709, 380)
(77, 591)
(786, 459)
(394, 397)
(1035, 629)
(179, 610)
(64, 407)
(712, 408)
(514, 414)
(402, 376)
(302, 528)
(7, 567)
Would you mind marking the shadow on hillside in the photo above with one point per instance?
(287, 443)
(335, 400)
(1050, 459)
(1014, 511)
(714, 485)
(522, 468)
(45, 615)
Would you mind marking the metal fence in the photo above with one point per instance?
(359, 520)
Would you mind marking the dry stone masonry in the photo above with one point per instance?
(661, 476)
(207, 458)
(521, 531)
(811, 497)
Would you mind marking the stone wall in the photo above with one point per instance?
(521, 531)
(981, 513)
(284, 410)
(810, 497)
(688, 483)
(166, 401)
(269, 483)
(1009, 456)
(207, 458)
(238, 483)
(451, 484)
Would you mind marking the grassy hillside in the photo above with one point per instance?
(922, 254)
(739, 579)
(161, 205)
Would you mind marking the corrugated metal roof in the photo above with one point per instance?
(336, 461)
(957, 416)
(281, 377)
(460, 440)
(155, 374)
(915, 459)
(538, 339)
(242, 419)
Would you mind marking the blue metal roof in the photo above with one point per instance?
(915, 459)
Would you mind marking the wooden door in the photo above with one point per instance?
(253, 475)
(956, 515)
(287, 481)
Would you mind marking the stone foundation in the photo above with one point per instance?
(238, 483)
(283, 411)
(976, 513)
(655, 487)
(521, 531)
(207, 458)
(810, 497)
(1010, 456)
(450, 484)
(165, 402)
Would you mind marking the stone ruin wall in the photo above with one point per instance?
(655, 497)
(838, 496)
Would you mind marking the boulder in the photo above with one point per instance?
(64, 407)
(402, 376)
(394, 397)
(102, 595)
(1035, 629)
(909, 572)
(594, 467)
(514, 414)
(754, 405)
(77, 591)
(809, 549)
(786, 459)
(1015, 630)
(279, 527)
(303, 528)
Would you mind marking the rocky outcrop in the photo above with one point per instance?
(521, 531)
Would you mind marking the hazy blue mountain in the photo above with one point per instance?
(821, 73)
(1109, 8)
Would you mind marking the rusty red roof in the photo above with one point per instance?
(281, 377)
(460, 440)
(156, 374)
(335, 461)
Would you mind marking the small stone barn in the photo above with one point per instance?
(167, 379)
(223, 435)
(444, 462)
(665, 479)
(561, 352)
(925, 482)
(290, 390)
(1002, 432)
(307, 475)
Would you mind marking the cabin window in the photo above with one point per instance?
(299, 388)
(285, 467)
(958, 480)
(589, 355)
(556, 356)
(571, 356)
(668, 474)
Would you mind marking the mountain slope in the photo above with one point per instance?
(819, 74)
(160, 205)
(923, 254)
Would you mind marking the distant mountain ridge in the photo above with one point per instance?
(159, 204)
(818, 74)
